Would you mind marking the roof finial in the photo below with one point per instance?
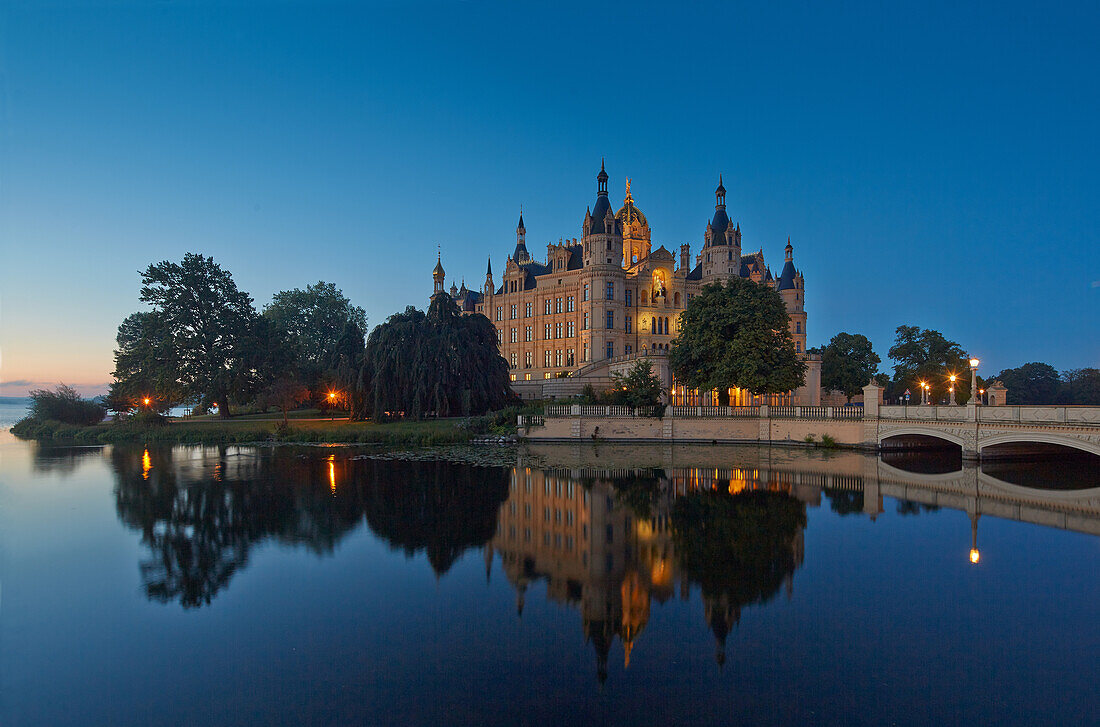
(628, 199)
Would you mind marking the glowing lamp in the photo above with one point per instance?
(975, 556)
(974, 363)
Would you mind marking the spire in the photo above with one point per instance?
(720, 195)
(789, 250)
(489, 267)
(438, 274)
(601, 180)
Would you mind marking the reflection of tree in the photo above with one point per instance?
(60, 460)
(440, 507)
(738, 548)
(908, 507)
(200, 517)
(737, 545)
(845, 502)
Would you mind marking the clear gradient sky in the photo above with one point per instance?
(934, 165)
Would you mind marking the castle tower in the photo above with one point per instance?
(438, 275)
(721, 256)
(635, 229)
(792, 289)
(521, 255)
(488, 290)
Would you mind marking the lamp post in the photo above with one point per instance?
(974, 399)
(951, 390)
(923, 393)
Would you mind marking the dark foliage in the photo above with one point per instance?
(64, 404)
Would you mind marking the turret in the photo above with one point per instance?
(438, 275)
(791, 287)
(721, 257)
(685, 258)
(521, 255)
(602, 231)
(489, 287)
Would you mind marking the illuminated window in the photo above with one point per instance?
(527, 311)
(527, 358)
(527, 377)
(546, 332)
(500, 312)
(512, 335)
(585, 292)
(557, 305)
(570, 329)
(570, 304)
(584, 326)
(546, 307)
(546, 358)
(569, 356)
(557, 357)
(527, 334)
(513, 311)
(546, 375)
(500, 336)
(557, 330)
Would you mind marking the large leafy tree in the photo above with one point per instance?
(926, 355)
(1032, 383)
(145, 365)
(441, 363)
(736, 335)
(847, 363)
(314, 320)
(211, 328)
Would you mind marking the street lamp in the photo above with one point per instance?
(951, 390)
(974, 381)
(923, 392)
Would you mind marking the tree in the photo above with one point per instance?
(925, 355)
(211, 327)
(1032, 383)
(315, 319)
(442, 363)
(64, 404)
(848, 363)
(1080, 386)
(144, 366)
(736, 335)
(286, 392)
(639, 387)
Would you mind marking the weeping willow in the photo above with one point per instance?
(436, 364)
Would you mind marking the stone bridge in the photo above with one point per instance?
(979, 431)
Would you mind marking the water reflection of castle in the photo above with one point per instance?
(605, 543)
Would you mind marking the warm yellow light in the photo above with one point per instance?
(331, 395)
(975, 556)
(147, 401)
(146, 464)
(952, 377)
(974, 363)
(332, 474)
(981, 391)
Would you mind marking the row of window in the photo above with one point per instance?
(554, 305)
(557, 358)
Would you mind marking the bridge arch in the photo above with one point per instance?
(1025, 437)
(917, 434)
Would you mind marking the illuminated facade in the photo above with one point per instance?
(610, 297)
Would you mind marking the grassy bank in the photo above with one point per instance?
(424, 433)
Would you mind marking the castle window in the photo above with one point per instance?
(708, 257)
(512, 335)
(610, 295)
(527, 377)
(570, 329)
(729, 255)
(570, 304)
(557, 330)
(512, 310)
(546, 358)
(546, 332)
(610, 319)
(500, 312)
(584, 326)
(546, 375)
(609, 244)
(527, 311)
(585, 292)
(627, 295)
(546, 307)
(628, 350)
(610, 349)
(513, 359)
(500, 336)
(527, 359)
(557, 305)
(557, 357)
(569, 356)
(512, 377)
(798, 346)
(798, 327)
(584, 353)
(527, 334)
(626, 325)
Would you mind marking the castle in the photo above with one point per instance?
(594, 306)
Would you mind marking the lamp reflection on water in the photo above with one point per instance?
(146, 464)
(332, 473)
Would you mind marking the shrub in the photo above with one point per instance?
(827, 441)
(64, 404)
(809, 439)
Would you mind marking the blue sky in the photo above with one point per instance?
(933, 165)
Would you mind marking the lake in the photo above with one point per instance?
(556, 584)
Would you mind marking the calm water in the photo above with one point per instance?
(243, 586)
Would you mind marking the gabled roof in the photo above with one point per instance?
(696, 274)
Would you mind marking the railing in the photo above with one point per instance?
(1072, 415)
(709, 412)
(714, 412)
